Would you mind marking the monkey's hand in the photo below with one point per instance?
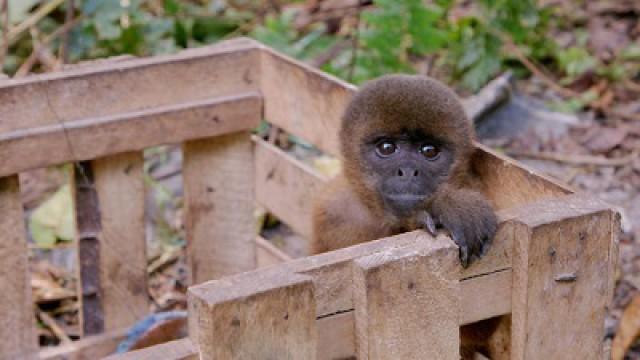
(468, 217)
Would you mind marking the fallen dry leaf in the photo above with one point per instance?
(628, 330)
(605, 139)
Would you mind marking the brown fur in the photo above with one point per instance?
(351, 211)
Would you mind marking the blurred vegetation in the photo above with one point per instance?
(467, 42)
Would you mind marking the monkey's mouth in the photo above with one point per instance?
(403, 203)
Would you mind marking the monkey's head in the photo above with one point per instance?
(402, 136)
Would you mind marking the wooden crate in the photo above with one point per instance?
(549, 273)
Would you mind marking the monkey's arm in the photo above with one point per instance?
(340, 219)
(468, 217)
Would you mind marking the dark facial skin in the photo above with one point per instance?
(406, 146)
(407, 169)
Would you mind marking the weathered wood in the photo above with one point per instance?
(89, 348)
(219, 203)
(88, 228)
(16, 309)
(270, 317)
(285, 186)
(302, 100)
(561, 271)
(109, 88)
(336, 337)
(407, 303)
(267, 254)
(509, 184)
(119, 182)
(173, 350)
(95, 136)
(332, 276)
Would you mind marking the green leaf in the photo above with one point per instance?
(53, 220)
(20, 9)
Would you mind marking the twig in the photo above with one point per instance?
(64, 45)
(533, 68)
(4, 12)
(42, 11)
(576, 159)
(331, 53)
(26, 66)
(356, 45)
(55, 328)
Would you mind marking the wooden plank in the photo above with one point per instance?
(16, 309)
(332, 276)
(509, 184)
(219, 203)
(293, 102)
(119, 181)
(174, 350)
(561, 280)
(267, 254)
(270, 317)
(285, 186)
(407, 303)
(88, 228)
(95, 136)
(336, 336)
(112, 88)
(89, 348)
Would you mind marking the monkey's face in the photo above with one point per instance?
(402, 137)
(405, 168)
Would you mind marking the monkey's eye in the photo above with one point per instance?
(386, 148)
(429, 151)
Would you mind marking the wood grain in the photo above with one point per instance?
(407, 303)
(270, 317)
(119, 182)
(561, 283)
(16, 309)
(95, 136)
(219, 203)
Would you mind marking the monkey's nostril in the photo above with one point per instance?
(415, 172)
(400, 172)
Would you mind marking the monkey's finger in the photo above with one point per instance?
(430, 223)
(464, 251)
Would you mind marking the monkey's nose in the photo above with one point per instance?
(402, 172)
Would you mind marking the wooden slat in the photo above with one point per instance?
(267, 254)
(286, 186)
(174, 350)
(219, 203)
(96, 136)
(270, 317)
(16, 309)
(89, 348)
(407, 303)
(112, 88)
(87, 211)
(510, 184)
(561, 280)
(119, 181)
(302, 100)
(332, 276)
(336, 337)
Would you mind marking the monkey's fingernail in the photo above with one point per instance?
(431, 225)
(464, 256)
